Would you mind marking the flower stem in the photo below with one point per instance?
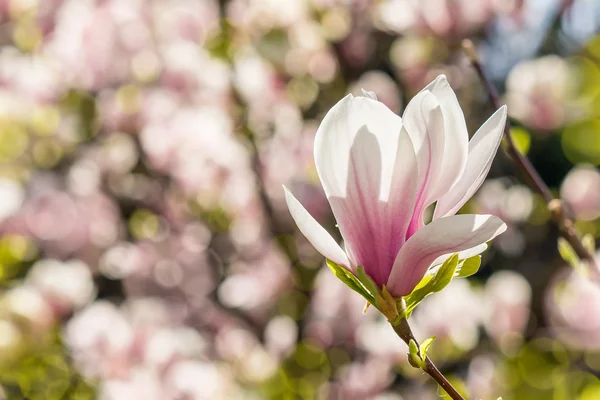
(403, 330)
(561, 220)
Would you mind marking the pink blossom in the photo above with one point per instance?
(581, 191)
(381, 172)
(572, 304)
(507, 311)
(65, 285)
(539, 92)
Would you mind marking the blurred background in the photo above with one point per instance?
(145, 248)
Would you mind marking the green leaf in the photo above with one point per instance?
(413, 354)
(431, 284)
(425, 346)
(351, 281)
(446, 273)
(412, 347)
(413, 299)
(366, 281)
(567, 253)
(468, 267)
(424, 282)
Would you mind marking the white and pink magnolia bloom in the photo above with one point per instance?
(380, 172)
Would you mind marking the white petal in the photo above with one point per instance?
(423, 120)
(482, 149)
(369, 94)
(473, 251)
(314, 232)
(424, 123)
(336, 134)
(462, 255)
(457, 137)
(446, 235)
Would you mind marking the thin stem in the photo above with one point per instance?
(405, 333)
(564, 223)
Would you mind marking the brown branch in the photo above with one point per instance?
(405, 333)
(560, 219)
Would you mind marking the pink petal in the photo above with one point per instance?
(368, 171)
(374, 230)
(446, 235)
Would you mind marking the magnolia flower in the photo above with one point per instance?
(380, 172)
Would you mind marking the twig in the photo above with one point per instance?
(405, 333)
(564, 223)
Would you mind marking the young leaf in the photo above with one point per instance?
(351, 281)
(567, 253)
(446, 273)
(413, 349)
(425, 346)
(431, 284)
(413, 354)
(366, 280)
(424, 282)
(468, 267)
(413, 299)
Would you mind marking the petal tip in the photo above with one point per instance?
(369, 94)
(289, 197)
(503, 227)
(322, 241)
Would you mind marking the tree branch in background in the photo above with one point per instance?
(561, 220)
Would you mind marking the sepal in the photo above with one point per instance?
(350, 280)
